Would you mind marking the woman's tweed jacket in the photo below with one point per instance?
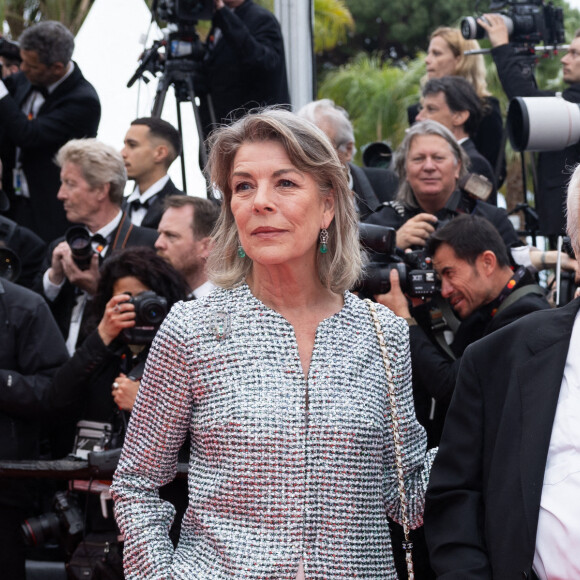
(270, 480)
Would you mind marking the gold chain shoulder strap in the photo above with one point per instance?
(407, 544)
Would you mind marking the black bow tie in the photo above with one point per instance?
(99, 240)
(138, 204)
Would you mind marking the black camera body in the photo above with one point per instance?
(528, 22)
(416, 274)
(10, 49)
(63, 525)
(150, 310)
(184, 11)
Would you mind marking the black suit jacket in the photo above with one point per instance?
(483, 500)
(71, 111)
(246, 68)
(155, 210)
(64, 303)
(554, 167)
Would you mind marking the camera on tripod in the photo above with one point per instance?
(528, 22)
(416, 274)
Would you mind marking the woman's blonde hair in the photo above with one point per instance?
(311, 152)
(470, 67)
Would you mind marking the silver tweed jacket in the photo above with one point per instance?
(270, 481)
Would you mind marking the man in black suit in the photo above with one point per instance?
(93, 179)
(151, 146)
(244, 65)
(41, 108)
(453, 102)
(372, 186)
(503, 495)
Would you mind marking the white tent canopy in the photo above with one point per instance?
(107, 50)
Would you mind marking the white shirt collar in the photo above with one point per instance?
(148, 193)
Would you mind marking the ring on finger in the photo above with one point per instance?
(115, 385)
(117, 308)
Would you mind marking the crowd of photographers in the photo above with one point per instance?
(88, 274)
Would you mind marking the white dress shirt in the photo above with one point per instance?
(557, 556)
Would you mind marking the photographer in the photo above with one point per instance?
(431, 165)
(32, 350)
(516, 75)
(41, 108)
(93, 178)
(100, 381)
(244, 65)
(485, 293)
(95, 382)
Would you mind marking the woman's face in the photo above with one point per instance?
(279, 210)
(440, 60)
(129, 285)
(432, 171)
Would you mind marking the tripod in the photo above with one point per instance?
(180, 73)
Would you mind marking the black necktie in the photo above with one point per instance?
(41, 89)
(137, 204)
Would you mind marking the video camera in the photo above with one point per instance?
(181, 43)
(528, 22)
(416, 275)
(182, 11)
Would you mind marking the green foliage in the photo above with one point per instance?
(332, 22)
(21, 13)
(376, 95)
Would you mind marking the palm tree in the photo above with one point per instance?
(376, 94)
(21, 13)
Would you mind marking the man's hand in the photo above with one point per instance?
(124, 392)
(395, 299)
(56, 272)
(496, 29)
(218, 4)
(63, 266)
(119, 314)
(415, 231)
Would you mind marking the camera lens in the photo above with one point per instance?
(470, 29)
(38, 531)
(79, 242)
(9, 265)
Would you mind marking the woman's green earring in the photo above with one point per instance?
(323, 241)
(241, 252)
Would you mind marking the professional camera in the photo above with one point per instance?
(79, 241)
(543, 123)
(64, 525)
(9, 49)
(9, 264)
(180, 11)
(527, 21)
(416, 275)
(150, 310)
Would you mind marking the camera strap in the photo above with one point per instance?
(122, 235)
(443, 318)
